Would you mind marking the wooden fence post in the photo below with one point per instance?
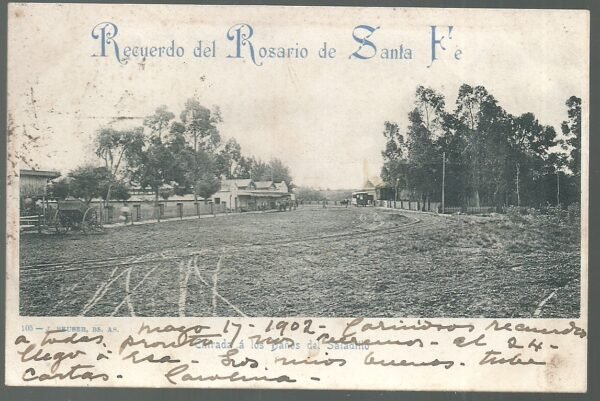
(109, 215)
(138, 212)
(180, 210)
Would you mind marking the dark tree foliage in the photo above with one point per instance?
(394, 167)
(120, 191)
(168, 156)
(207, 185)
(243, 169)
(275, 170)
(178, 155)
(308, 194)
(59, 189)
(259, 170)
(280, 172)
(201, 125)
(422, 160)
(88, 182)
(159, 121)
(228, 158)
(491, 157)
(571, 128)
(117, 148)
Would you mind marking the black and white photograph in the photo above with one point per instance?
(297, 197)
(257, 186)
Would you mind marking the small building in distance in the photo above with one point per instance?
(245, 184)
(248, 195)
(33, 184)
(33, 190)
(367, 195)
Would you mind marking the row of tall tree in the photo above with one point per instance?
(311, 194)
(485, 155)
(167, 155)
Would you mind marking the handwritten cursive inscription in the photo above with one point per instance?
(285, 351)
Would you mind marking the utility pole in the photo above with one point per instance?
(443, 179)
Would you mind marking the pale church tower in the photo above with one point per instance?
(365, 179)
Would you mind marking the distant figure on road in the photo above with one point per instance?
(125, 213)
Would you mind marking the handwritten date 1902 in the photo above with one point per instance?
(292, 326)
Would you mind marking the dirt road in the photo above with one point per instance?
(309, 262)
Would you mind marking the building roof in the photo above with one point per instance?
(281, 186)
(263, 194)
(263, 184)
(39, 173)
(240, 183)
(372, 182)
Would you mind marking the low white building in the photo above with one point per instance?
(248, 195)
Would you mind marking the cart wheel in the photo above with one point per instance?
(91, 223)
(59, 224)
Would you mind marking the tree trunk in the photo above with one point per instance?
(476, 186)
(518, 191)
(557, 188)
(155, 213)
(496, 200)
(113, 173)
(108, 192)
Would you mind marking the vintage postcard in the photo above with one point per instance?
(297, 197)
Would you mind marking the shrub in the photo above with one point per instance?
(557, 215)
(165, 193)
(514, 214)
(574, 212)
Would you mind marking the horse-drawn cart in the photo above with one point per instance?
(76, 215)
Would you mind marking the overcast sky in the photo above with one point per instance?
(324, 118)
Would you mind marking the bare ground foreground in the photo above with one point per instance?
(334, 262)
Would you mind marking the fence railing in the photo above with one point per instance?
(32, 223)
(473, 209)
(139, 211)
(144, 211)
(437, 207)
(406, 204)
